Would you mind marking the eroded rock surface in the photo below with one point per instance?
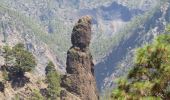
(80, 80)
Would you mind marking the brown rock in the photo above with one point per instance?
(65, 95)
(2, 87)
(81, 34)
(80, 80)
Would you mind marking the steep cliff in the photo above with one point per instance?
(80, 79)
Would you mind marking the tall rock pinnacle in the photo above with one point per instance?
(80, 80)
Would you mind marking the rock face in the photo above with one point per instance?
(80, 80)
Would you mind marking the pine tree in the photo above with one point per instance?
(24, 60)
(36, 95)
(17, 62)
(149, 79)
(53, 80)
(49, 68)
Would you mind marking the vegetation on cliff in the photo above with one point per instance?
(18, 60)
(150, 76)
(53, 80)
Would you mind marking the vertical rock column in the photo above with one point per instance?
(80, 80)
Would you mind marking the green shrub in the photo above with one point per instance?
(53, 80)
(16, 97)
(36, 95)
(5, 75)
(49, 68)
(8, 56)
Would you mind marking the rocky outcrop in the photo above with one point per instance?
(80, 80)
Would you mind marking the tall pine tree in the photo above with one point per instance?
(149, 78)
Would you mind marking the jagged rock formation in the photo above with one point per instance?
(80, 80)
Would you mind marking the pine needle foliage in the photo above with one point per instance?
(18, 59)
(53, 80)
(149, 78)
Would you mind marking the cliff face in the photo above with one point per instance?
(80, 79)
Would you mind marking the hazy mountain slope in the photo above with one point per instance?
(57, 17)
(15, 28)
(120, 59)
